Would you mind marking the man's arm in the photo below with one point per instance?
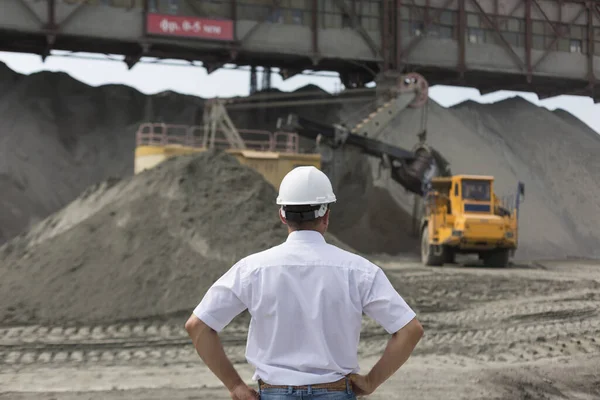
(398, 350)
(209, 348)
(384, 304)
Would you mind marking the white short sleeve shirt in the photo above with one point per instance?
(306, 299)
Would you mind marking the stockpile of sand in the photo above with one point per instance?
(59, 136)
(366, 216)
(148, 245)
(552, 153)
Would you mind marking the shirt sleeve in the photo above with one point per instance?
(223, 300)
(385, 305)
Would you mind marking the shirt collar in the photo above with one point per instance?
(306, 236)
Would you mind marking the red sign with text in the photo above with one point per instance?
(174, 25)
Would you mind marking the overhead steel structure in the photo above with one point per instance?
(549, 47)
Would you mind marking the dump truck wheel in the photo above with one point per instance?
(428, 257)
(497, 258)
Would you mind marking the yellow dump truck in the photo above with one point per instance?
(462, 214)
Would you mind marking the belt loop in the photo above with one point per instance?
(348, 387)
(290, 389)
(309, 389)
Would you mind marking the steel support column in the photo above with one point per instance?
(51, 22)
(591, 47)
(398, 46)
(385, 34)
(528, 40)
(461, 37)
(315, 27)
(234, 18)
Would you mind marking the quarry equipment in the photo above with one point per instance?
(460, 214)
(410, 168)
(463, 215)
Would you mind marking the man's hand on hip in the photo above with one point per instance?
(243, 392)
(361, 385)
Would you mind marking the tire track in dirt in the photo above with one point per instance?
(520, 311)
(500, 339)
(487, 318)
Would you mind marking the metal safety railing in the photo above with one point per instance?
(161, 134)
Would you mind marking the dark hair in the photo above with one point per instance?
(298, 217)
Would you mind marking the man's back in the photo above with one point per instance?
(306, 299)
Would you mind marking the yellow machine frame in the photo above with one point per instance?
(272, 165)
(454, 222)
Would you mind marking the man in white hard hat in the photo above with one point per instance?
(306, 299)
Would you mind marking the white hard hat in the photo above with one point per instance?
(305, 186)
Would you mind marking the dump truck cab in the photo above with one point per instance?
(462, 214)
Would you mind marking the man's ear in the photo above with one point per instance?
(281, 217)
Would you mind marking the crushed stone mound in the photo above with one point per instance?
(58, 136)
(146, 246)
(366, 216)
(553, 153)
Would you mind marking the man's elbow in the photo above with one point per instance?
(195, 326)
(413, 330)
(417, 329)
(190, 323)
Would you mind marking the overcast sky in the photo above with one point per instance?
(153, 78)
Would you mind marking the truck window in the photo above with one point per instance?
(476, 190)
(456, 189)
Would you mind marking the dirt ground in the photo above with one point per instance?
(526, 332)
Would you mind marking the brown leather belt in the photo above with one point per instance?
(337, 385)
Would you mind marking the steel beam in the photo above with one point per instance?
(426, 24)
(315, 27)
(528, 40)
(494, 27)
(194, 7)
(385, 27)
(357, 26)
(398, 46)
(502, 18)
(541, 10)
(274, 6)
(234, 18)
(31, 12)
(596, 8)
(590, 49)
(51, 22)
(559, 36)
(69, 17)
(462, 38)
